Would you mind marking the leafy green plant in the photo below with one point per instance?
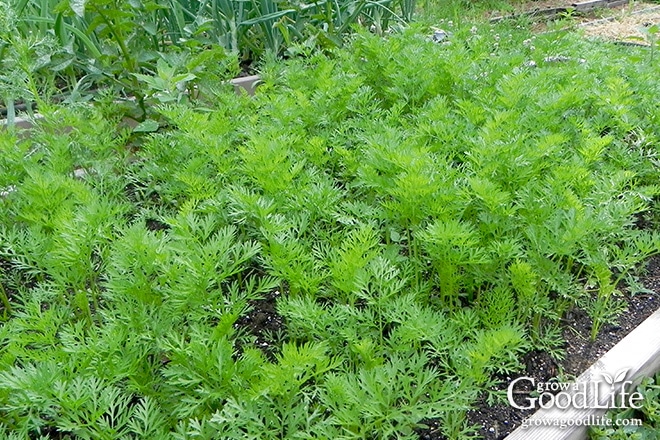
(29, 63)
(626, 422)
(163, 50)
(348, 254)
(454, 249)
(383, 400)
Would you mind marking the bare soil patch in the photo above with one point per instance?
(495, 422)
(626, 26)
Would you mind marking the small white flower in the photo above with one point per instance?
(4, 192)
(79, 173)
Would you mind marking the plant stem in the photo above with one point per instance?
(414, 250)
(130, 65)
(83, 303)
(5, 300)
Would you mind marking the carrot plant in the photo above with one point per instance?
(348, 254)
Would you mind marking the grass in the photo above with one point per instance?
(422, 213)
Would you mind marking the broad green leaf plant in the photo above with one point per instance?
(155, 51)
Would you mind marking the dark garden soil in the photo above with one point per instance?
(496, 422)
(263, 323)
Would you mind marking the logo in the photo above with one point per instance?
(612, 391)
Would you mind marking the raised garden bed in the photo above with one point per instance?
(496, 421)
(244, 84)
(359, 252)
(571, 8)
(635, 357)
